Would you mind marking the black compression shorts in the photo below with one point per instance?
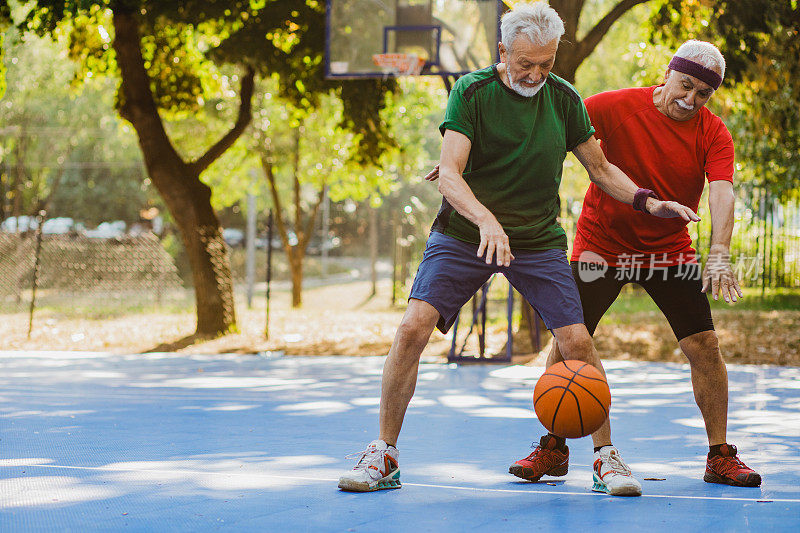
(675, 290)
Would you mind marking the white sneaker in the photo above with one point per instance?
(377, 469)
(612, 476)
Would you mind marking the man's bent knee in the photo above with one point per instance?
(702, 347)
(417, 324)
(574, 342)
(419, 315)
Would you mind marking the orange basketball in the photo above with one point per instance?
(572, 399)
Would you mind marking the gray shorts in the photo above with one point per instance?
(451, 272)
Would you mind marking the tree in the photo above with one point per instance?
(162, 53)
(303, 158)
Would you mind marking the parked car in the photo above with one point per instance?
(19, 224)
(317, 245)
(51, 226)
(107, 230)
(59, 226)
(233, 237)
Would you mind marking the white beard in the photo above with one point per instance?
(526, 90)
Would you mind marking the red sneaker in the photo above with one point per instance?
(726, 468)
(546, 459)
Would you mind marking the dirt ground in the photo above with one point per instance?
(344, 320)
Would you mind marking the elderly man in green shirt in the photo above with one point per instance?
(507, 130)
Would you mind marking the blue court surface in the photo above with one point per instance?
(166, 442)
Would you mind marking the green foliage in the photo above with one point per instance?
(191, 51)
(625, 57)
(287, 38)
(744, 31)
(2, 66)
(70, 145)
(760, 40)
(182, 39)
(413, 112)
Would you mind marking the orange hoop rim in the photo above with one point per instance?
(402, 64)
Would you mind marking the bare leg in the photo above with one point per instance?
(400, 369)
(709, 381)
(577, 344)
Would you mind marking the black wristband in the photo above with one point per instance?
(640, 199)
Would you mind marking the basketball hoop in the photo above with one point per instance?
(399, 64)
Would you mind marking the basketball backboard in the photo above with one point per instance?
(453, 37)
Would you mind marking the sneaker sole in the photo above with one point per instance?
(753, 480)
(392, 481)
(628, 490)
(530, 474)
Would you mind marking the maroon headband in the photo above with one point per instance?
(681, 64)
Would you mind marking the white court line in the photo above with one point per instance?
(424, 485)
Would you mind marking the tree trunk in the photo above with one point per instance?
(294, 254)
(208, 256)
(296, 266)
(187, 198)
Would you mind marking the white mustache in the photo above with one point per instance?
(682, 105)
(525, 89)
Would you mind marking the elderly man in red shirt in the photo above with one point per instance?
(670, 144)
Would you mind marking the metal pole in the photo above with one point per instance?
(251, 248)
(510, 312)
(482, 330)
(35, 277)
(395, 255)
(269, 268)
(771, 205)
(763, 210)
(452, 355)
(326, 216)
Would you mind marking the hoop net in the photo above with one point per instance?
(399, 64)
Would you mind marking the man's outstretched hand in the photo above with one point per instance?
(660, 208)
(494, 242)
(718, 275)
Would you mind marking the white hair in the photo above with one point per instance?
(704, 53)
(537, 21)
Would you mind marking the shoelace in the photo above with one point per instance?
(363, 459)
(617, 464)
(730, 464)
(534, 453)
(534, 457)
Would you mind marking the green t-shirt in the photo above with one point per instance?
(518, 150)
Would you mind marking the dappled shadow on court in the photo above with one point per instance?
(190, 442)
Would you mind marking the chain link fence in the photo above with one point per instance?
(765, 246)
(79, 274)
(84, 276)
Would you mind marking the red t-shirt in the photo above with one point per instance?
(670, 157)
